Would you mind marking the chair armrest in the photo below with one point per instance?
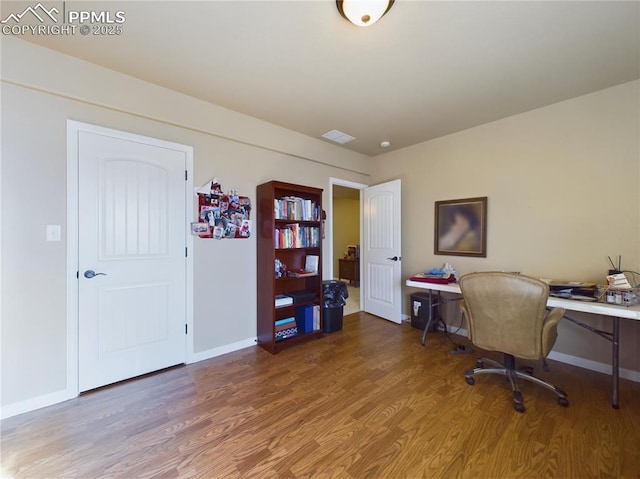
(550, 329)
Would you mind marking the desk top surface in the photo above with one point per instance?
(631, 312)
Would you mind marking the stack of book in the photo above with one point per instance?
(308, 318)
(283, 300)
(286, 328)
(295, 208)
(296, 236)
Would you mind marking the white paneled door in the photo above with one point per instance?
(131, 257)
(382, 251)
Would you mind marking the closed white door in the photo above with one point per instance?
(132, 278)
(382, 251)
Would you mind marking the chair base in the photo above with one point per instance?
(512, 374)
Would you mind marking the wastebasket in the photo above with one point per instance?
(334, 295)
(420, 311)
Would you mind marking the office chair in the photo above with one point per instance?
(507, 313)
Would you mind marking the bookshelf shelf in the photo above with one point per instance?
(305, 247)
(294, 278)
(300, 338)
(301, 222)
(301, 207)
(294, 306)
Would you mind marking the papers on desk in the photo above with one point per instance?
(576, 290)
(618, 281)
(567, 294)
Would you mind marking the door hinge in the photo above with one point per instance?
(186, 329)
(186, 252)
(186, 175)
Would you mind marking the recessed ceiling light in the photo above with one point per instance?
(385, 144)
(338, 137)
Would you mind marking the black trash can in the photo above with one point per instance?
(334, 295)
(420, 312)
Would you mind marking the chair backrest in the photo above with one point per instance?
(505, 312)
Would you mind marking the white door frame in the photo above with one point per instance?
(73, 129)
(329, 227)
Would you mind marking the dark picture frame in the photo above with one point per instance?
(461, 227)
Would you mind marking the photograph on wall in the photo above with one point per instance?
(218, 232)
(199, 228)
(245, 229)
(461, 227)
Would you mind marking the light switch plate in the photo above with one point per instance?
(54, 233)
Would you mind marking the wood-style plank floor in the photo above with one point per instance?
(365, 402)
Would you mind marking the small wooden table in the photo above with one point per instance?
(349, 268)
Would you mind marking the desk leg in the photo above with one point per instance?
(615, 373)
(426, 327)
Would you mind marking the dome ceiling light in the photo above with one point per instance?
(363, 12)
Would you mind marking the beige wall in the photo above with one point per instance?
(41, 89)
(563, 193)
(346, 227)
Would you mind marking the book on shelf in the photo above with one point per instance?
(285, 321)
(285, 327)
(287, 333)
(304, 319)
(283, 300)
(302, 273)
(311, 263)
(316, 317)
(302, 296)
(295, 208)
(296, 236)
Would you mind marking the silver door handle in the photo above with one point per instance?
(395, 258)
(92, 274)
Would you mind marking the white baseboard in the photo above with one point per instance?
(219, 351)
(594, 365)
(35, 403)
(575, 361)
(59, 396)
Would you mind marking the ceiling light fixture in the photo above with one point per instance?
(363, 12)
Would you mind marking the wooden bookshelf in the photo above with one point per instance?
(272, 246)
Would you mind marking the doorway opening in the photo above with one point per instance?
(346, 238)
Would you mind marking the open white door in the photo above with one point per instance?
(382, 251)
(131, 256)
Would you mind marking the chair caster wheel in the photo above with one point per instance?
(470, 380)
(564, 402)
(479, 363)
(519, 407)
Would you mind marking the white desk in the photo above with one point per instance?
(613, 311)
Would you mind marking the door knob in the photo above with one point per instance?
(394, 258)
(92, 274)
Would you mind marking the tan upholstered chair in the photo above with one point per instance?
(507, 313)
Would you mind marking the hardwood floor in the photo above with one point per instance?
(365, 402)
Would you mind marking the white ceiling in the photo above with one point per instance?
(425, 70)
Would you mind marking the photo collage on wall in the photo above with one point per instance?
(222, 215)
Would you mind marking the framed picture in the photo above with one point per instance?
(461, 227)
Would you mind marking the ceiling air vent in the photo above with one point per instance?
(338, 137)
